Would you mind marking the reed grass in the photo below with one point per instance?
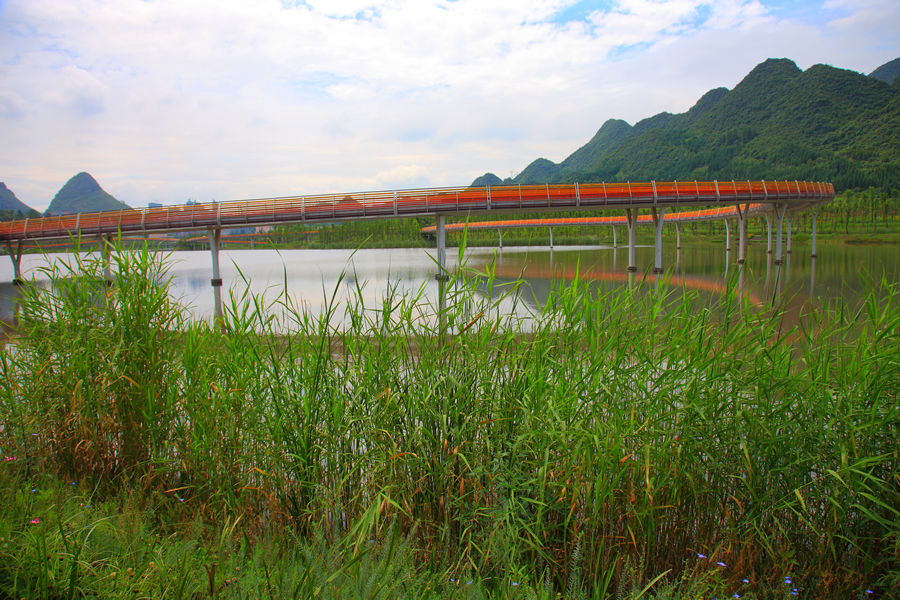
(608, 442)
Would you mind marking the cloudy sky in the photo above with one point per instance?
(165, 100)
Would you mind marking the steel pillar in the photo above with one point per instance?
(500, 234)
(815, 212)
(780, 210)
(615, 240)
(677, 236)
(631, 216)
(658, 217)
(551, 236)
(768, 233)
(727, 236)
(16, 257)
(215, 235)
(742, 233)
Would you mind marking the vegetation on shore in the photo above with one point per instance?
(649, 442)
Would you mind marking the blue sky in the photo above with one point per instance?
(162, 100)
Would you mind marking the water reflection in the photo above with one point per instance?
(310, 278)
(10, 294)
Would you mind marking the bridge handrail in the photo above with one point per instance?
(412, 203)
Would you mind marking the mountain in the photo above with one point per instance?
(83, 194)
(779, 122)
(887, 72)
(8, 201)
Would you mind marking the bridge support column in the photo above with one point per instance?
(104, 252)
(727, 236)
(658, 218)
(500, 233)
(16, 257)
(442, 276)
(215, 235)
(790, 224)
(815, 212)
(768, 233)
(631, 216)
(615, 240)
(677, 236)
(780, 210)
(742, 233)
(551, 236)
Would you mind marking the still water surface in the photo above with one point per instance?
(311, 276)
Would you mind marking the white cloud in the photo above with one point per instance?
(405, 176)
(224, 99)
(12, 106)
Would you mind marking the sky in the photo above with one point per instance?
(170, 100)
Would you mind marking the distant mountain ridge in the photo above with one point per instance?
(82, 194)
(8, 201)
(779, 122)
(888, 72)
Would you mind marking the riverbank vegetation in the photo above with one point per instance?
(654, 443)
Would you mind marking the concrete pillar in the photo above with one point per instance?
(16, 257)
(215, 235)
(658, 217)
(104, 252)
(631, 216)
(742, 233)
(500, 234)
(768, 233)
(442, 276)
(677, 236)
(790, 224)
(779, 228)
(615, 240)
(815, 212)
(727, 236)
(551, 236)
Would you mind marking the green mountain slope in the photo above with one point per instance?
(8, 201)
(83, 194)
(887, 72)
(779, 122)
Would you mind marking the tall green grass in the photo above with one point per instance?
(609, 439)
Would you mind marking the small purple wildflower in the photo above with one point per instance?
(787, 580)
(701, 555)
(721, 564)
(869, 592)
(746, 581)
(10, 458)
(515, 583)
(35, 521)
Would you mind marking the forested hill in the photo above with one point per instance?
(822, 124)
(83, 194)
(11, 204)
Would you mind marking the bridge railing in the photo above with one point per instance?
(410, 203)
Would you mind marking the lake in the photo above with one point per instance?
(311, 276)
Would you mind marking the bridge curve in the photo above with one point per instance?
(417, 203)
(710, 214)
(770, 197)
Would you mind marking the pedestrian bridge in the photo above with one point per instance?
(734, 200)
